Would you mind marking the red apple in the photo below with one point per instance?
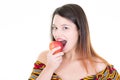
(55, 44)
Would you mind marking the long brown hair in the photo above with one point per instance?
(76, 14)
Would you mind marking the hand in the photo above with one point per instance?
(54, 60)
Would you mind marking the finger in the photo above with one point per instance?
(59, 59)
(59, 54)
(55, 49)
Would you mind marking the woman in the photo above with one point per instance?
(78, 60)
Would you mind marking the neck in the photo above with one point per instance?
(71, 56)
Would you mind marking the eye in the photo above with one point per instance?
(54, 28)
(65, 27)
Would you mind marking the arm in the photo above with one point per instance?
(47, 72)
(40, 70)
(52, 62)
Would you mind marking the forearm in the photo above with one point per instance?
(46, 74)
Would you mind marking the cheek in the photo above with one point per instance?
(74, 35)
(53, 34)
(73, 38)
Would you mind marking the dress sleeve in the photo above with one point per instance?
(38, 67)
(110, 73)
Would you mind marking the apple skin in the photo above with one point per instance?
(55, 44)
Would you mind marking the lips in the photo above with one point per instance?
(62, 41)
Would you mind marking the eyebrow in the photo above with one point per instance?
(65, 25)
(53, 25)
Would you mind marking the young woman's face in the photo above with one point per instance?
(65, 30)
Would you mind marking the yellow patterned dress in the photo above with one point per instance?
(109, 73)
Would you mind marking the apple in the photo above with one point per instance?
(55, 44)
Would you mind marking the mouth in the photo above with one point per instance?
(63, 42)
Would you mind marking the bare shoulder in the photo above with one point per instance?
(43, 57)
(100, 64)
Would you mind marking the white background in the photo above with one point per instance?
(24, 32)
